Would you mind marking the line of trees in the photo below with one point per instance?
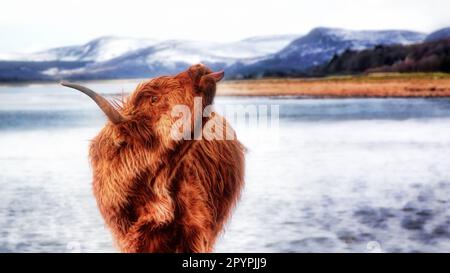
(423, 57)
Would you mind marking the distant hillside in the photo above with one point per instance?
(422, 57)
(318, 47)
(13, 71)
(440, 34)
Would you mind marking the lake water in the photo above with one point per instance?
(346, 175)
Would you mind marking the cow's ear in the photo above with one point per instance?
(204, 80)
(217, 76)
(207, 85)
(208, 82)
(196, 72)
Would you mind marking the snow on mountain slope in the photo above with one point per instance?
(107, 48)
(174, 55)
(335, 40)
(255, 47)
(98, 50)
(128, 57)
(374, 36)
(185, 51)
(173, 51)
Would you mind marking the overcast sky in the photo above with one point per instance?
(27, 25)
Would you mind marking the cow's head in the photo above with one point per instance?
(146, 118)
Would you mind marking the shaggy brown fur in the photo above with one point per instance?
(161, 195)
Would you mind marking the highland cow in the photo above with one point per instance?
(157, 193)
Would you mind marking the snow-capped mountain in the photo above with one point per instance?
(118, 57)
(255, 47)
(98, 50)
(153, 58)
(174, 51)
(319, 46)
(440, 34)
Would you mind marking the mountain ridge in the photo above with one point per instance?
(112, 57)
(319, 46)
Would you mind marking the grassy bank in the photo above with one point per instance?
(372, 85)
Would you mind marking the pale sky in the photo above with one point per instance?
(27, 25)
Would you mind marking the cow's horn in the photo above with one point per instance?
(111, 112)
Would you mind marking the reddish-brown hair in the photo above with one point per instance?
(158, 194)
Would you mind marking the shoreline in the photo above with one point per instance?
(369, 86)
(379, 85)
